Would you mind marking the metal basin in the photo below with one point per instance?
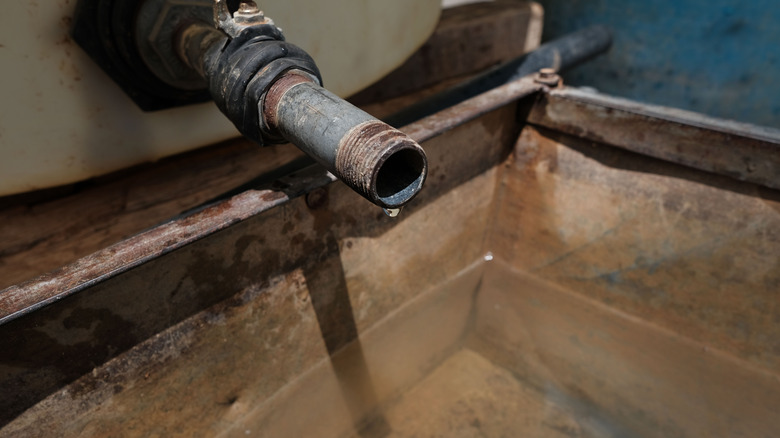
(554, 278)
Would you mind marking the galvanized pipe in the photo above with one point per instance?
(381, 163)
(376, 160)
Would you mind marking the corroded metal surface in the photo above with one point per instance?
(45, 231)
(275, 93)
(560, 55)
(379, 162)
(219, 372)
(116, 259)
(621, 376)
(694, 252)
(663, 304)
(745, 152)
(33, 294)
(333, 239)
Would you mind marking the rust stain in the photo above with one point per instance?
(20, 299)
(470, 109)
(276, 92)
(673, 135)
(648, 237)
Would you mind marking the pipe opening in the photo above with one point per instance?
(400, 177)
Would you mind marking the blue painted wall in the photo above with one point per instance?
(718, 57)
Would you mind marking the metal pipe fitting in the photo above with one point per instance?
(271, 91)
(196, 43)
(379, 162)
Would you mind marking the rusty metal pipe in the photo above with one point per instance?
(379, 162)
(376, 160)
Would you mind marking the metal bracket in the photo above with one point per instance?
(549, 77)
(248, 14)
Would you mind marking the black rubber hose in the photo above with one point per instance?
(242, 71)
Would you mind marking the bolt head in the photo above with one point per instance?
(248, 13)
(547, 73)
(548, 76)
(246, 8)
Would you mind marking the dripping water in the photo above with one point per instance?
(392, 212)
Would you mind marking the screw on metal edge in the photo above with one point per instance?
(548, 76)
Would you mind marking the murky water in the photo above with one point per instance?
(498, 353)
(468, 394)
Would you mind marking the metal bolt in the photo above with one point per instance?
(246, 8)
(548, 76)
(248, 13)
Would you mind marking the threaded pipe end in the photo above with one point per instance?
(381, 163)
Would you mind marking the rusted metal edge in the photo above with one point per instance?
(34, 294)
(29, 296)
(738, 150)
(470, 109)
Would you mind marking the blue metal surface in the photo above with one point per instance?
(718, 57)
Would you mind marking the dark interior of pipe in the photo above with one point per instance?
(400, 177)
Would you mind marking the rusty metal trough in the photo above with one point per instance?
(577, 265)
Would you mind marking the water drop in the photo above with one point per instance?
(392, 212)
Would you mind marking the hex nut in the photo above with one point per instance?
(156, 27)
(549, 77)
